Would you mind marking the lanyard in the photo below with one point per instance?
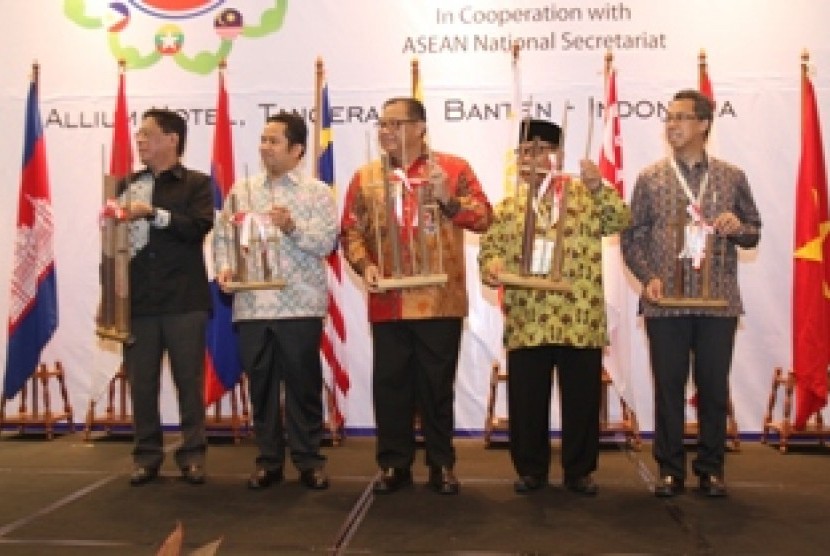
(697, 214)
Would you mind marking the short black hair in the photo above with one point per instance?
(540, 129)
(414, 108)
(296, 132)
(704, 107)
(169, 122)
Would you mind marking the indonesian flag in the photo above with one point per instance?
(108, 358)
(121, 154)
(811, 266)
(33, 309)
(704, 85)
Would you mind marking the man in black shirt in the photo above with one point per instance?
(170, 209)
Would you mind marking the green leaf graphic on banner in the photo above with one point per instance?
(75, 10)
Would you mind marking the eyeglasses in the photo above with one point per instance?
(679, 117)
(392, 123)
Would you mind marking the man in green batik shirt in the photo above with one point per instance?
(546, 329)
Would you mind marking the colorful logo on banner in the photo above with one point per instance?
(169, 40)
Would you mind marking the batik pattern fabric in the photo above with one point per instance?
(365, 225)
(659, 213)
(535, 317)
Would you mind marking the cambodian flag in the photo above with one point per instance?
(223, 366)
(33, 310)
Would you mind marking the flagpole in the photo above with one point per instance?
(702, 71)
(318, 118)
(416, 78)
(517, 101)
(125, 153)
(223, 65)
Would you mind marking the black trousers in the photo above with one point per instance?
(285, 352)
(529, 380)
(182, 336)
(706, 343)
(415, 366)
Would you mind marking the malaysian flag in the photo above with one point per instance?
(33, 310)
(333, 342)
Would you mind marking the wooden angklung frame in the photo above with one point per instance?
(412, 264)
(553, 279)
(708, 293)
(255, 266)
(113, 322)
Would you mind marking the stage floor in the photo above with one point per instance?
(70, 497)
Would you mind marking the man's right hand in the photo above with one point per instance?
(491, 273)
(371, 276)
(222, 278)
(654, 290)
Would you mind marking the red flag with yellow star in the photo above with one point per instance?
(811, 266)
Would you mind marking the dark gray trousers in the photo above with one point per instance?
(706, 343)
(285, 352)
(182, 337)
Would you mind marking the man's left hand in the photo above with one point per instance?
(438, 180)
(281, 218)
(727, 223)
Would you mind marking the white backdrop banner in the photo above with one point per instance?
(173, 49)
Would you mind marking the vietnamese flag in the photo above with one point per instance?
(811, 266)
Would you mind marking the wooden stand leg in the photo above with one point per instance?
(627, 425)
(334, 421)
(493, 424)
(117, 411)
(238, 422)
(39, 384)
(784, 427)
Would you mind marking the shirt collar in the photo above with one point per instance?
(177, 171)
(697, 168)
(292, 177)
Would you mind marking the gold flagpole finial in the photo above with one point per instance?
(805, 62)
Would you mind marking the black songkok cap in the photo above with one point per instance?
(544, 130)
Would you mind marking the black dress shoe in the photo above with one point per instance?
(712, 486)
(528, 483)
(143, 474)
(193, 474)
(315, 479)
(668, 486)
(584, 485)
(263, 478)
(392, 479)
(443, 481)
